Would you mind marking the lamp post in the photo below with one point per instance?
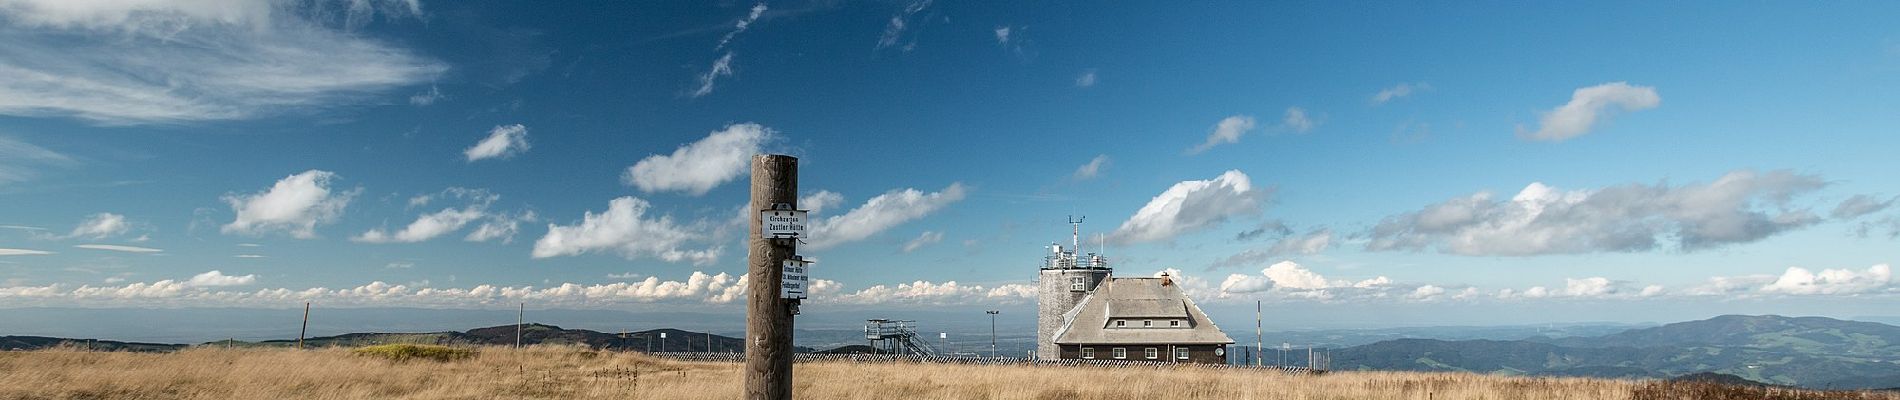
(993, 331)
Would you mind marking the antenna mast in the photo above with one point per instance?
(1075, 237)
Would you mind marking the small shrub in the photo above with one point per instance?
(406, 352)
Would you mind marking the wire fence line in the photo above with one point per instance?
(901, 358)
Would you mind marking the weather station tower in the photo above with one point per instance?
(1067, 276)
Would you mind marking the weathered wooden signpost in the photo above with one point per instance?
(777, 279)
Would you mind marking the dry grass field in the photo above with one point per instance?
(574, 373)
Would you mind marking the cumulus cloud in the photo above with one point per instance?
(894, 30)
(1191, 206)
(211, 290)
(626, 230)
(1086, 79)
(1002, 35)
(697, 167)
(125, 62)
(101, 226)
(216, 278)
(1589, 106)
(932, 293)
(1859, 205)
(1290, 280)
(119, 248)
(295, 204)
(1297, 120)
(500, 226)
(1228, 130)
(1832, 281)
(22, 161)
(880, 213)
(503, 142)
(1092, 169)
(1740, 207)
(925, 239)
(1396, 92)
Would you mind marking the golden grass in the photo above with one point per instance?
(568, 372)
(406, 352)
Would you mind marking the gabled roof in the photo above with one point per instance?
(1137, 298)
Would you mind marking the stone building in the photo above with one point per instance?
(1083, 312)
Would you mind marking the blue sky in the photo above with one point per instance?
(1617, 158)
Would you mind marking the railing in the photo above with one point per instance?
(894, 358)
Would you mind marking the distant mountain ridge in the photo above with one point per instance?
(1812, 352)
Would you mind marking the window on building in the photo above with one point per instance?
(1077, 284)
(1120, 353)
(1147, 323)
(1120, 323)
(1181, 353)
(1088, 352)
(1174, 323)
(1151, 353)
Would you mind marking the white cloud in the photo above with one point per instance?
(22, 161)
(1588, 287)
(500, 226)
(129, 62)
(1396, 92)
(22, 252)
(697, 167)
(883, 212)
(742, 25)
(1311, 243)
(1859, 205)
(114, 247)
(1297, 120)
(216, 278)
(1740, 207)
(295, 204)
(925, 239)
(815, 203)
(1591, 105)
(425, 99)
(248, 256)
(1832, 281)
(1002, 35)
(100, 226)
(1288, 274)
(503, 142)
(1228, 130)
(1427, 292)
(894, 31)
(1244, 283)
(1092, 169)
(626, 275)
(932, 293)
(720, 67)
(1086, 79)
(1191, 206)
(399, 265)
(432, 225)
(624, 229)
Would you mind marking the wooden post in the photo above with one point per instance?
(768, 347)
(306, 325)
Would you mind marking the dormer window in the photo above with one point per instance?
(1174, 323)
(1078, 284)
(1120, 323)
(1147, 324)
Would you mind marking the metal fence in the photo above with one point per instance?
(896, 358)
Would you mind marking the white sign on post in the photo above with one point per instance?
(794, 280)
(782, 224)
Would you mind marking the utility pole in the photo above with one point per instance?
(768, 345)
(520, 315)
(306, 325)
(993, 331)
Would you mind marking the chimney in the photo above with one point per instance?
(1166, 280)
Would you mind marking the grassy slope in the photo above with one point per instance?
(570, 372)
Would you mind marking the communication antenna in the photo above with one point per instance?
(1075, 237)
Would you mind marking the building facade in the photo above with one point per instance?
(1139, 319)
(1062, 282)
